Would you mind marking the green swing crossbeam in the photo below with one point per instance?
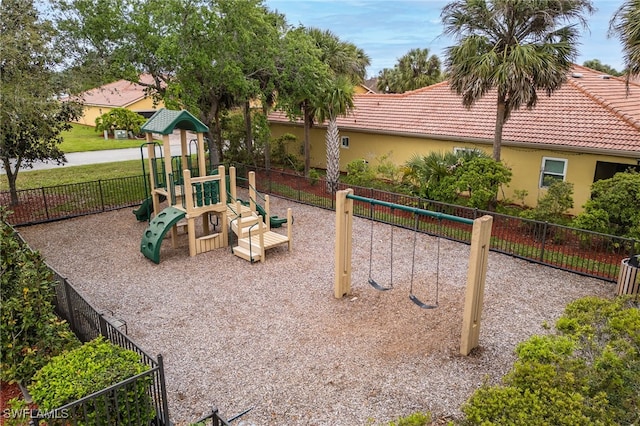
(415, 210)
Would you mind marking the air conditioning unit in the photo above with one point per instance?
(120, 134)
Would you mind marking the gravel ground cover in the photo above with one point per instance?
(271, 335)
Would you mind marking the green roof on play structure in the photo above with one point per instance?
(165, 121)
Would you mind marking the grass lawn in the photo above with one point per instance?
(65, 175)
(84, 138)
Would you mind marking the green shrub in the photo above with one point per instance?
(314, 176)
(554, 205)
(30, 331)
(120, 119)
(613, 207)
(92, 367)
(587, 373)
(360, 173)
(282, 152)
(480, 178)
(415, 419)
(465, 177)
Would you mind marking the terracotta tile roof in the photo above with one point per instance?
(589, 112)
(121, 93)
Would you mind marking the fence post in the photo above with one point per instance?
(101, 195)
(102, 325)
(44, 201)
(67, 296)
(544, 240)
(163, 392)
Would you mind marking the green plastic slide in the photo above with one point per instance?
(157, 229)
(143, 213)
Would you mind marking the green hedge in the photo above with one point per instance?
(91, 368)
(588, 373)
(30, 331)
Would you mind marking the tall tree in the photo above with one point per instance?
(305, 79)
(336, 100)
(513, 47)
(344, 59)
(625, 24)
(302, 76)
(414, 70)
(31, 118)
(205, 55)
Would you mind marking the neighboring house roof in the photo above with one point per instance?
(372, 84)
(119, 94)
(588, 113)
(165, 121)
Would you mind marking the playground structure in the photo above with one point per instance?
(476, 273)
(196, 196)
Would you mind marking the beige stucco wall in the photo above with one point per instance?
(91, 112)
(524, 162)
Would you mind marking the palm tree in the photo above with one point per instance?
(337, 100)
(418, 69)
(626, 25)
(414, 70)
(514, 47)
(344, 59)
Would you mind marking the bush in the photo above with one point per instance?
(90, 368)
(359, 173)
(467, 177)
(554, 205)
(587, 373)
(30, 331)
(314, 176)
(120, 119)
(613, 207)
(481, 178)
(415, 419)
(281, 152)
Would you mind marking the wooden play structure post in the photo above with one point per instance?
(476, 273)
(232, 183)
(252, 192)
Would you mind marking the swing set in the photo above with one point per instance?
(476, 274)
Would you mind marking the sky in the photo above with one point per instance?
(388, 29)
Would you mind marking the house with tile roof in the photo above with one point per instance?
(119, 94)
(587, 130)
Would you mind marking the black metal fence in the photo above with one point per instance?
(580, 251)
(58, 202)
(576, 250)
(115, 404)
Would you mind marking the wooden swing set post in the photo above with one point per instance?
(344, 224)
(476, 273)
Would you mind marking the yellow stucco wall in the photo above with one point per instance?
(91, 112)
(525, 163)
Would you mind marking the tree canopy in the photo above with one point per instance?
(625, 24)
(414, 70)
(513, 47)
(31, 116)
(205, 56)
(595, 64)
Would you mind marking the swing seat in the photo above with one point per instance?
(420, 303)
(378, 286)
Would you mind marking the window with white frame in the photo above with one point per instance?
(344, 142)
(552, 169)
